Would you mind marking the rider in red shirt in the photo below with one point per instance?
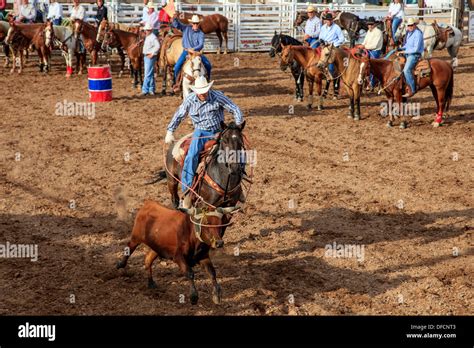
(163, 17)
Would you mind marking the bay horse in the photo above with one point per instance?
(133, 45)
(171, 49)
(86, 33)
(221, 183)
(102, 28)
(296, 69)
(352, 72)
(308, 59)
(21, 36)
(193, 68)
(214, 23)
(350, 23)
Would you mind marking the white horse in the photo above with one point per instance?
(192, 69)
(66, 43)
(429, 39)
(4, 28)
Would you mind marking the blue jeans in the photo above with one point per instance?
(182, 59)
(373, 54)
(313, 42)
(149, 75)
(412, 59)
(57, 21)
(332, 69)
(192, 158)
(395, 24)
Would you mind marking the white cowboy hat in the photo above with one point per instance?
(147, 26)
(310, 9)
(195, 19)
(151, 5)
(201, 85)
(411, 21)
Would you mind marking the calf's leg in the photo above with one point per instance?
(216, 292)
(189, 273)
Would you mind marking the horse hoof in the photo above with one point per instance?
(151, 284)
(403, 125)
(120, 264)
(120, 74)
(389, 124)
(350, 116)
(320, 108)
(356, 118)
(217, 295)
(437, 124)
(194, 298)
(163, 93)
(309, 106)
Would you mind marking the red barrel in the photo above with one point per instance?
(100, 83)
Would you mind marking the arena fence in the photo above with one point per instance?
(251, 26)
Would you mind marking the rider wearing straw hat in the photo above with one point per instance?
(312, 28)
(193, 39)
(413, 49)
(373, 43)
(206, 108)
(153, 19)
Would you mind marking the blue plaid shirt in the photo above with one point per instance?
(206, 115)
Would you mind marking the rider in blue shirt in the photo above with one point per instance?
(193, 38)
(413, 48)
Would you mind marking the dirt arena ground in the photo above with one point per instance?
(405, 196)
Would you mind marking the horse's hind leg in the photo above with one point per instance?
(226, 40)
(149, 259)
(219, 36)
(122, 60)
(310, 93)
(439, 96)
(163, 80)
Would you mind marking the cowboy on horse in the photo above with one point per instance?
(206, 108)
(193, 39)
(78, 12)
(163, 17)
(312, 28)
(373, 43)
(413, 49)
(395, 14)
(101, 12)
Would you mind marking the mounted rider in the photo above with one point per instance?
(206, 108)
(396, 14)
(373, 43)
(193, 39)
(312, 28)
(101, 12)
(331, 33)
(55, 12)
(78, 12)
(413, 48)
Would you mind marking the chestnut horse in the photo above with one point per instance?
(440, 80)
(215, 23)
(133, 45)
(308, 59)
(40, 35)
(170, 51)
(86, 33)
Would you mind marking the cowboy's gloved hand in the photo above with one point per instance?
(169, 137)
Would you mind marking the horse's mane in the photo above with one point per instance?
(289, 40)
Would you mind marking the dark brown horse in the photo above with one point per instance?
(307, 58)
(86, 33)
(440, 79)
(4, 26)
(133, 45)
(215, 23)
(220, 185)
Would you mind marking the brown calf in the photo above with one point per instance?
(184, 236)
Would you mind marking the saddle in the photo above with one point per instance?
(422, 69)
(181, 148)
(442, 35)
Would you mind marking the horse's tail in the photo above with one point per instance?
(157, 177)
(449, 92)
